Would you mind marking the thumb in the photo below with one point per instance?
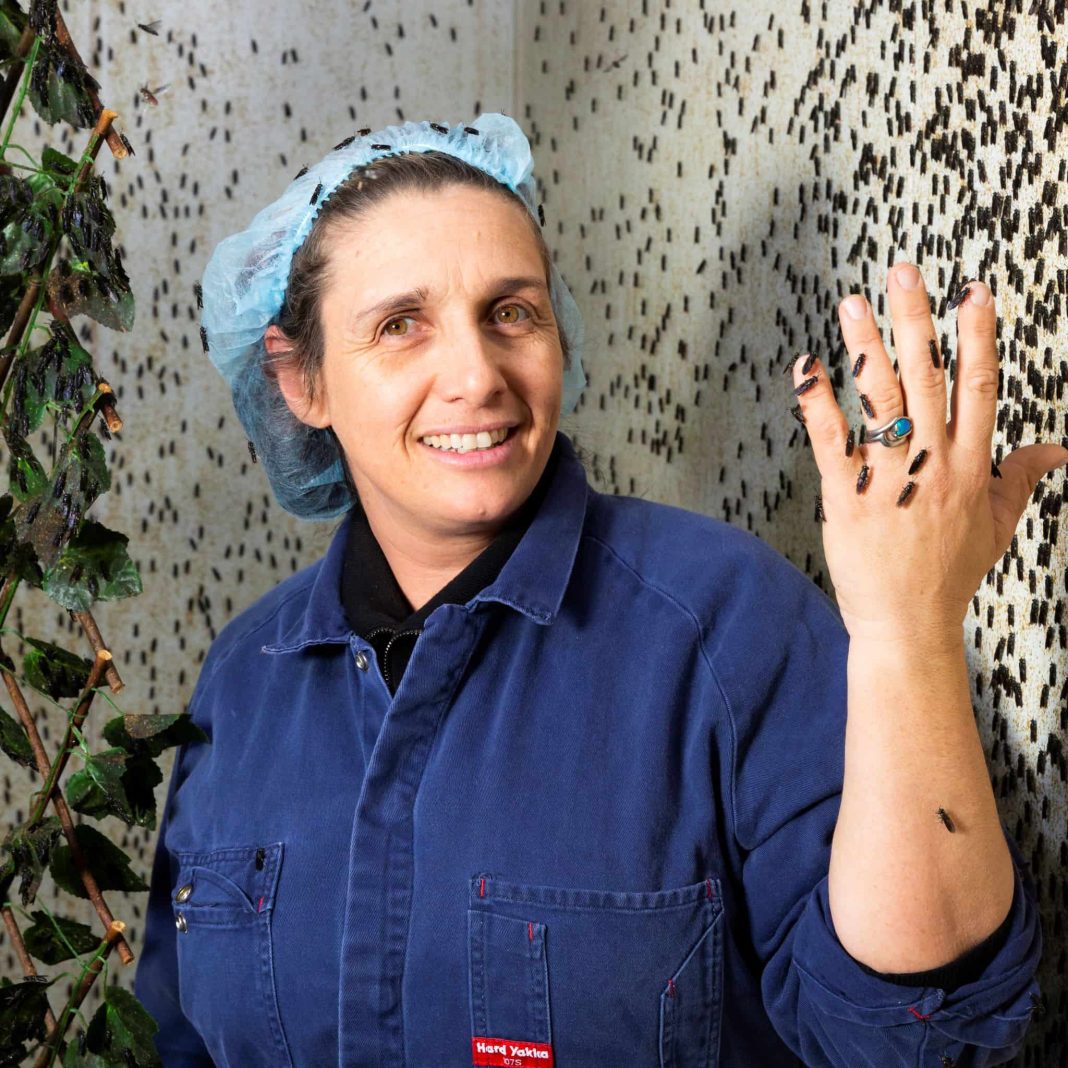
(1021, 471)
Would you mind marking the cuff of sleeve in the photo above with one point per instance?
(994, 1003)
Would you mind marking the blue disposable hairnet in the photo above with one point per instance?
(245, 281)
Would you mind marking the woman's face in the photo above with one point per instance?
(478, 348)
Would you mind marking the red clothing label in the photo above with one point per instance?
(508, 1051)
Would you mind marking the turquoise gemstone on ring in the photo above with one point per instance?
(901, 427)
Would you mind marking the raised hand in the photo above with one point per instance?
(910, 530)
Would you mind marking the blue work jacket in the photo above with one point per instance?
(591, 828)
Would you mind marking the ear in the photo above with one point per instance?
(291, 381)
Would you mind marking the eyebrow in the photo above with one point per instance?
(418, 296)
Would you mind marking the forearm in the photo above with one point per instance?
(905, 893)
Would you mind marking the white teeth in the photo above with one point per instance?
(484, 439)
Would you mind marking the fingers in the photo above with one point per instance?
(873, 374)
(827, 428)
(923, 377)
(973, 405)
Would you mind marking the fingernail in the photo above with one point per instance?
(907, 276)
(978, 294)
(855, 306)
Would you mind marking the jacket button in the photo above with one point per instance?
(361, 660)
(184, 892)
(179, 922)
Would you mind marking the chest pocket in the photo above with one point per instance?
(606, 977)
(223, 905)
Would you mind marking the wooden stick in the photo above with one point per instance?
(93, 634)
(29, 298)
(60, 805)
(28, 967)
(117, 145)
(14, 76)
(48, 1052)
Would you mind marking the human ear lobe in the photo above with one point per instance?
(286, 371)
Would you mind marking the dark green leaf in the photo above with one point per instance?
(12, 23)
(28, 850)
(44, 941)
(28, 229)
(23, 1007)
(16, 558)
(109, 864)
(14, 742)
(96, 790)
(121, 1031)
(16, 197)
(140, 780)
(84, 292)
(48, 519)
(94, 566)
(76, 1054)
(43, 17)
(152, 734)
(62, 169)
(24, 470)
(11, 290)
(54, 670)
(59, 372)
(61, 87)
(90, 226)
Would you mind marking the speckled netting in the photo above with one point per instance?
(245, 280)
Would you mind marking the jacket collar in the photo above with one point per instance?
(532, 581)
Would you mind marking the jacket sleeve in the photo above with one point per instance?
(156, 979)
(779, 650)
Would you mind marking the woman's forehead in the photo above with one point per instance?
(428, 249)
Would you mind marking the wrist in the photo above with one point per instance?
(916, 643)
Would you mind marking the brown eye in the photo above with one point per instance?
(517, 307)
(399, 319)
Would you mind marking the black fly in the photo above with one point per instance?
(943, 815)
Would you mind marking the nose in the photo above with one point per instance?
(470, 366)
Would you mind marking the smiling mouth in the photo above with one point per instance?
(468, 442)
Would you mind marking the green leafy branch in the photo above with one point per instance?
(58, 259)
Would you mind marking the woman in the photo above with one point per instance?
(522, 773)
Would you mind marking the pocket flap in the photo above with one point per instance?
(242, 877)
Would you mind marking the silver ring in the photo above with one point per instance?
(893, 433)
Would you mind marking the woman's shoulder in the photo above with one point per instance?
(700, 559)
(267, 618)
